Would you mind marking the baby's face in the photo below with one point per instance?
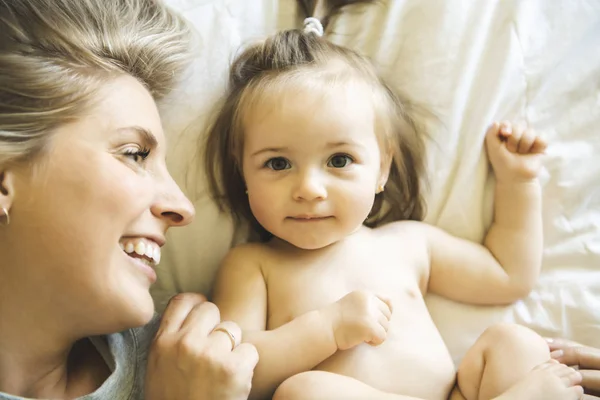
(312, 163)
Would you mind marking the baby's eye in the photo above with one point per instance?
(340, 161)
(278, 164)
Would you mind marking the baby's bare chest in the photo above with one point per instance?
(302, 285)
(413, 347)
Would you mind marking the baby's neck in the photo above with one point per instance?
(281, 244)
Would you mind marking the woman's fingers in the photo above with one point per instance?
(247, 355)
(227, 336)
(557, 343)
(177, 311)
(202, 319)
(198, 356)
(591, 380)
(583, 356)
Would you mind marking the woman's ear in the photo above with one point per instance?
(7, 189)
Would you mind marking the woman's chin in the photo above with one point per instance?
(145, 311)
(138, 309)
(136, 303)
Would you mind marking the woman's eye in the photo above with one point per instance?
(278, 164)
(137, 155)
(339, 161)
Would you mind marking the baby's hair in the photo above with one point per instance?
(292, 57)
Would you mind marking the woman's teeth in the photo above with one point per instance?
(142, 247)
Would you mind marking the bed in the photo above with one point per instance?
(472, 62)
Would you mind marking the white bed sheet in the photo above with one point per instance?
(471, 61)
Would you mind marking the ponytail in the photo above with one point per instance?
(324, 10)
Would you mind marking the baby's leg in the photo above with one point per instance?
(326, 385)
(501, 357)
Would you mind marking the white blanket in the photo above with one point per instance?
(471, 62)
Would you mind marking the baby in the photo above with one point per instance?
(316, 152)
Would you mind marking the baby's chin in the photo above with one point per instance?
(306, 243)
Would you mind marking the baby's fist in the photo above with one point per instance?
(514, 152)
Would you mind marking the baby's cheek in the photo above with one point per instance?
(360, 204)
(262, 209)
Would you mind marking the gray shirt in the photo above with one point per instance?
(125, 354)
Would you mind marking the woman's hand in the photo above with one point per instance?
(586, 358)
(193, 357)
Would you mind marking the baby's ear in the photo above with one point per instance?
(386, 165)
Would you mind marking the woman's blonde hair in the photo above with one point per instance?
(56, 54)
(295, 56)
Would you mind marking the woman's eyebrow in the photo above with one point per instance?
(144, 134)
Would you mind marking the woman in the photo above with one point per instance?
(585, 358)
(85, 201)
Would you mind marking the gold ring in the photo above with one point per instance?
(231, 337)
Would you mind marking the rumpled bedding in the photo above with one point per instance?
(469, 62)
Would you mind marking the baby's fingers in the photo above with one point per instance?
(495, 137)
(378, 335)
(568, 375)
(385, 306)
(505, 129)
(526, 142)
(539, 145)
(512, 141)
(384, 322)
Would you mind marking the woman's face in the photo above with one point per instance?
(99, 195)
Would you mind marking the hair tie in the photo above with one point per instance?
(313, 25)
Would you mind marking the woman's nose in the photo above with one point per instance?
(173, 206)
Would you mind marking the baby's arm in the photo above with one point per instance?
(507, 268)
(241, 295)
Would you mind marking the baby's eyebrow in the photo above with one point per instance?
(268, 150)
(344, 143)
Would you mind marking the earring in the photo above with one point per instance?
(380, 189)
(5, 211)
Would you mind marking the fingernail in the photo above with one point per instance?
(556, 354)
(549, 340)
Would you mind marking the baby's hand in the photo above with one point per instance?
(514, 152)
(359, 317)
